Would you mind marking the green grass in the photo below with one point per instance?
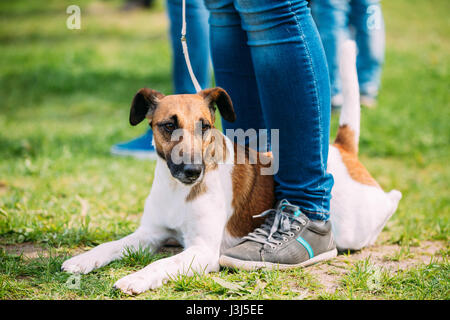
(428, 281)
(64, 99)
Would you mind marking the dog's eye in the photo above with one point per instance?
(169, 126)
(205, 127)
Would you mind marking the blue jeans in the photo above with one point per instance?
(268, 55)
(197, 35)
(333, 18)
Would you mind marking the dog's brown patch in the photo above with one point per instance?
(346, 139)
(196, 190)
(355, 168)
(348, 148)
(253, 193)
(216, 151)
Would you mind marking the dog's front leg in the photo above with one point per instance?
(198, 258)
(105, 253)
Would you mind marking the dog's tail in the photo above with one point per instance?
(349, 122)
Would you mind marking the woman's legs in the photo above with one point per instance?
(292, 85)
(334, 18)
(331, 17)
(367, 18)
(233, 66)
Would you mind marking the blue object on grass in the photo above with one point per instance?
(140, 147)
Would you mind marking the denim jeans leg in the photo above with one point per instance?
(198, 42)
(233, 65)
(367, 18)
(292, 83)
(331, 17)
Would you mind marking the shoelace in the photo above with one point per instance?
(277, 226)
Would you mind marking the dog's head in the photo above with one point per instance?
(182, 127)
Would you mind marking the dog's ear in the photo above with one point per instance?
(143, 105)
(223, 101)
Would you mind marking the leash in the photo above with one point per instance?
(185, 50)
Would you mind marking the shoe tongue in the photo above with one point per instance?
(285, 206)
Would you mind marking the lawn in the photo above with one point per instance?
(64, 100)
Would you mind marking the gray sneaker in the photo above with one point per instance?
(287, 239)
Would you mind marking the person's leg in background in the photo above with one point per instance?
(367, 19)
(292, 86)
(331, 17)
(197, 36)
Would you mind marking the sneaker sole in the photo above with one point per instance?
(225, 261)
(136, 154)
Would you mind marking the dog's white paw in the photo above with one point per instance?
(139, 282)
(85, 262)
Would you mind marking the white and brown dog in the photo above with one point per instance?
(208, 207)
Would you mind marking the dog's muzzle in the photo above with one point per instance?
(186, 173)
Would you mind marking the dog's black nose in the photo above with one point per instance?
(192, 171)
